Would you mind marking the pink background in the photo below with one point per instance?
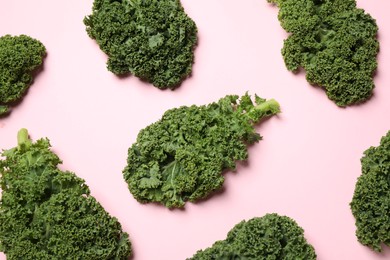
(306, 166)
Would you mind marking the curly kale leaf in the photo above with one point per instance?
(269, 237)
(335, 43)
(151, 39)
(47, 213)
(20, 57)
(371, 200)
(181, 157)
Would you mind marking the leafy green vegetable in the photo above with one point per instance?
(47, 213)
(371, 200)
(269, 237)
(152, 39)
(20, 57)
(334, 42)
(181, 157)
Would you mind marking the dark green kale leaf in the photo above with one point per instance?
(20, 57)
(335, 43)
(182, 156)
(371, 200)
(151, 39)
(46, 213)
(269, 237)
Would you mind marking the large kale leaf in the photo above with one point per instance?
(49, 214)
(182, 156)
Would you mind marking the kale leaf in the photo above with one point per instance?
(371, 200)
(47, 213)
(335, 43)
(151, 39)
(20, 57)
(181, 157)
(269, 237)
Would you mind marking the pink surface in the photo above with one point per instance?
(306, 166)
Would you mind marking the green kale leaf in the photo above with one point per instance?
(151, 39)
(20, 57)
(46, 213)
(182, 156)
(371, 200)
(335, 43)
(269, 237)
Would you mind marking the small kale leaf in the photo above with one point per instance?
(20, 57)
(371, 200)
(335, 43)
(151, 39)
(268, 237)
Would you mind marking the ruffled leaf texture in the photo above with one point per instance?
(269, 237)
(20, 57)
(181, 157)
(371, 200)
(47, 213)
(151, 39)
(335, 43)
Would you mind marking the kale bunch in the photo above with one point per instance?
(182, 156)
(20, 57)
(269, 237)
(371, 200)
(151, 39)
(335, 43)
(47, 213)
